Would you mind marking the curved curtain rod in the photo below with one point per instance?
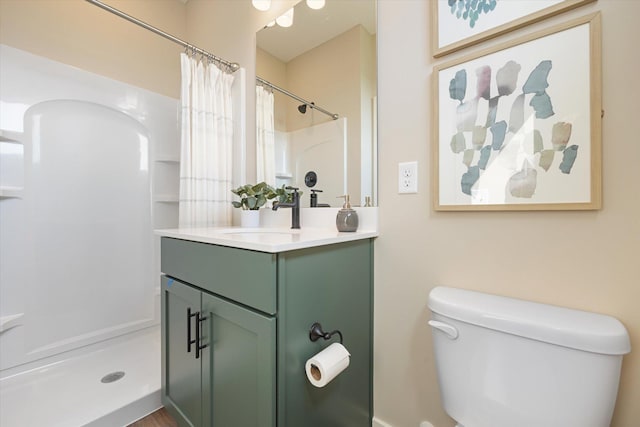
(233, 66)
(296, 97)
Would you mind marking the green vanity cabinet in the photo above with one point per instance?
(182, 372)
(254, 311)
(227, 376)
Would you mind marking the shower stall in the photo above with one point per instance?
(88, 168)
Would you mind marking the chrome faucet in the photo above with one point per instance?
(294, 205)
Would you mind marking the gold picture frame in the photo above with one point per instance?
(452, 31)
(518, 126)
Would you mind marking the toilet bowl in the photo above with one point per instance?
(503, 362)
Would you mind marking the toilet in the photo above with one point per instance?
(503, 362)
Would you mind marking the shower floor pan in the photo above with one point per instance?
(88, 387)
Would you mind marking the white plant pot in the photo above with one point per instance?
(250, 218)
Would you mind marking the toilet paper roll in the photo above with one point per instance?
(326, 365)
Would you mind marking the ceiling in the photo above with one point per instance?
(311, 27)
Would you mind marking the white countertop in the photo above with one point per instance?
(271, 240)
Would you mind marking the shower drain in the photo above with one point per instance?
(112, 377)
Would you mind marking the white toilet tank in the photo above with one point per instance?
(504, 362)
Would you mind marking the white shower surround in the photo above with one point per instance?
(78, 261)
(321, 148)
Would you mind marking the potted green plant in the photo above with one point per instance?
(283, 195)
(252, 198)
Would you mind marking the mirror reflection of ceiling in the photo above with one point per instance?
(312, 27)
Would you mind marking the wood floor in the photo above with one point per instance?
(159, 418)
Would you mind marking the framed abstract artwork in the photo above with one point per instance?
(457, 24)
(518, 126)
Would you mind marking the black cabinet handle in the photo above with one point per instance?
(198, 346)
(189, 340)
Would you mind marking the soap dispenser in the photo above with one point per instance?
(347, 219)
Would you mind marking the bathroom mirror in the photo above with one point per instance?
(326, 57)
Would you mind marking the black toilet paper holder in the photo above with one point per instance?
(316, 333)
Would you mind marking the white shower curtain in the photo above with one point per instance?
(206, 144)
(265, 137)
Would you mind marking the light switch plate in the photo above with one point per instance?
(408, 177)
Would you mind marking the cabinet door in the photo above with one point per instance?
(239, 367)
(181, 371)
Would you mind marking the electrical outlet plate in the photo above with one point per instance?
(408, 177)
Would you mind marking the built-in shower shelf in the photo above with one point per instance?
(166, 198)
(11, 192)
(167, 158)
(9, 136)
(11, 321)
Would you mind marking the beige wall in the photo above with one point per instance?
(584, 260)
(78, 33)
(273, 70)
(329, 75)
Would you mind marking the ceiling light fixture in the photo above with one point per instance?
(285, 20)
(262, 5)
(315, 4)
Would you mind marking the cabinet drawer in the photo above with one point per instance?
(244, 276)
